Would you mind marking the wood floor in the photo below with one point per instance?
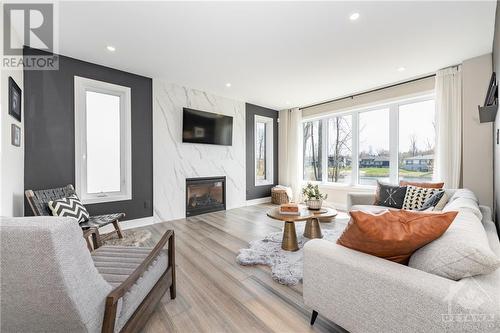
(214, 293)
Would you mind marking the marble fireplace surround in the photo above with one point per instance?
(174, 161)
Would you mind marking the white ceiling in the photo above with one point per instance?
(277, 54)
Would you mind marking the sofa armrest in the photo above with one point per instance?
(359, 199)
(364, 293)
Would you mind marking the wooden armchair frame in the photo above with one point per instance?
(142, 313)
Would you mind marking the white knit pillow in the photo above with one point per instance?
(416, 196)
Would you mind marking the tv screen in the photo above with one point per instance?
(206, 127)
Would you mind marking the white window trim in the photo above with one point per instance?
(393, 105)
(269, 156)
(82, 85)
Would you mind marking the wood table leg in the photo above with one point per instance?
(289, 242)
(313, 229)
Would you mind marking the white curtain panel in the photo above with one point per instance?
(449, 125)
(290, 150)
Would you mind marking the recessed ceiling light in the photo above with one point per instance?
(401, 69)
(287, 102)
(111, 48)
(354, 16)
(228, 84)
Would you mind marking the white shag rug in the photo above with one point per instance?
(134, 238)
(286, 266)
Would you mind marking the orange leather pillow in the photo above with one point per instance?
(424, 185)
(394, 235)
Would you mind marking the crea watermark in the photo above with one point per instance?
(467, 301)
(29, 36)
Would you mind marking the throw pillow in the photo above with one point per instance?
(461, 252)
(444, 200)
(390, 195)
(432, 201)
(69, 207)
(393, 235)
(424, 185)
(416, 196)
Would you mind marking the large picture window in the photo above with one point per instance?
(340, 149)
(313, 150)
(102, 141)
(417, 139)
(388, 143)
(374, 156)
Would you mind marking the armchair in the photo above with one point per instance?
(39, 200)
(52, 283)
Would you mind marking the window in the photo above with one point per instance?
(263, 150)
(340, 149)
(417, 139)
(313, 150)
(374, 157)
(388, 143)
(102, 141)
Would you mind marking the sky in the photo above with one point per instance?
(414, 119)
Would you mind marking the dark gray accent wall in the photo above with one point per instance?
(256, 192)
(50, 132)
(496, 171)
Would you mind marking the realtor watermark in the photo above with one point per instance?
(29, 36)
(466, 303)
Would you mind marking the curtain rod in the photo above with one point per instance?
(368, 91)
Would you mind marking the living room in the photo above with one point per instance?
(250, 166)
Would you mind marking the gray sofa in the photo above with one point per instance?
(51, 282)
(363, 293)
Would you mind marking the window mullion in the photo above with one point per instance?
(393, 143)
(324, 148)
(355, 149)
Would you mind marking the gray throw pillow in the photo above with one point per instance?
(390, 195)
(432, 201)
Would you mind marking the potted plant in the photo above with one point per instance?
(313, 197)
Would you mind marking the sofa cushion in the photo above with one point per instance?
(393, 235)
(464, 204)
(462, 251)
(116, 263)
(421, 184)
(371, 208)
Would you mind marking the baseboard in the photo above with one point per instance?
(258, 201)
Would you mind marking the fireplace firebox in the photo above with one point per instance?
(205, 195)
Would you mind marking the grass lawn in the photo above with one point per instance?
(384, 172)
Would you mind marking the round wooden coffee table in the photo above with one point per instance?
(312, 230)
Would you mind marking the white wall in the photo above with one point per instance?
(11, 157)
(477, 153)
(174, 161)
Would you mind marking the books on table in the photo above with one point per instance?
(289, 209)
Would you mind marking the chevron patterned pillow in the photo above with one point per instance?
(416, 196)
(69, 207)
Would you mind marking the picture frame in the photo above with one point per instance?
(15, 133)
(15, 99)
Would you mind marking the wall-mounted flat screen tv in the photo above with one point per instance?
(206, 127)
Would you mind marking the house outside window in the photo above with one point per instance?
(390, 142)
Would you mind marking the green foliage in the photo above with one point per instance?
(311, 192)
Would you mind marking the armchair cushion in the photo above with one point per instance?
(116, 263)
